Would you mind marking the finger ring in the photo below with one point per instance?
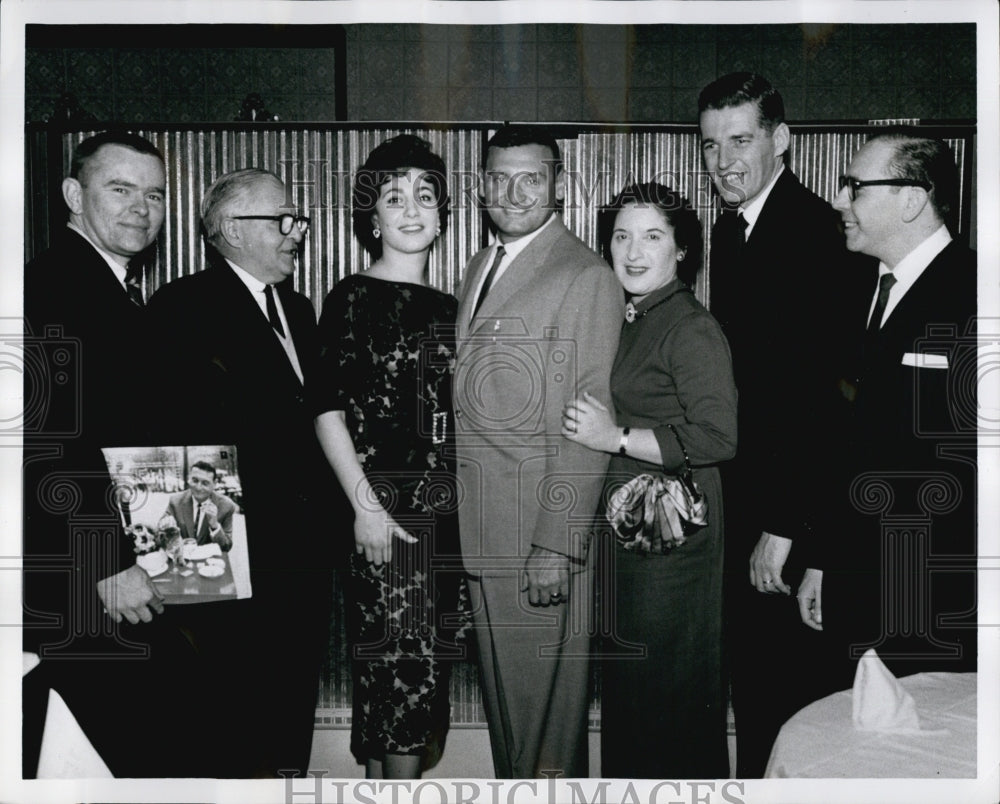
(554, 596)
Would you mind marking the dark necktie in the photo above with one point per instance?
(198, 519)
(489, 279)
(272, 311)
(885, 283)
(743, 224)
(132, 284)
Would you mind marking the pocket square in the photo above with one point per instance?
(923, 360)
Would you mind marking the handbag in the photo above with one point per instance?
(655, 513)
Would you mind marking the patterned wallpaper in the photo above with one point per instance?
(544, 72)
(181, 85)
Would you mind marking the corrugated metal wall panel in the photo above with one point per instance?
(318, 166)
(606, 162)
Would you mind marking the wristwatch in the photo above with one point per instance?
(623, 444)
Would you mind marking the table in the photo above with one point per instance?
(234, 583)
(820, 741)
(186, 585)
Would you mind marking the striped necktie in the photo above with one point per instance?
(272, 311)
(132, 287)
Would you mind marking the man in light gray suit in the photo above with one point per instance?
(538, 323)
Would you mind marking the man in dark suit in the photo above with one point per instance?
(202, 513)
(88, 331)
(246, 341)
(538, 323)
(906, 498)
(775, 254)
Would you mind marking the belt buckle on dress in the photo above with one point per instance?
(439, 427)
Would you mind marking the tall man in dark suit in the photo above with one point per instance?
(84, 595)
(776, 253)
(202, 513)
(245, 343)
(907, 496)
(538, 323)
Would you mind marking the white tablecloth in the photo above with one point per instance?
(820, 741)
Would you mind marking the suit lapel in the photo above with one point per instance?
(300, 330)
(473, 276)
(99, 281)
(251, 324)
(919, 299)
(772, 219)
(187, 513)
(519, 273)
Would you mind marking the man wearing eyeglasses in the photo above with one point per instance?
(776, 264)
(912, 442)
(240, 346)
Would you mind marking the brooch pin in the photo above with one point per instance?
(630, 312)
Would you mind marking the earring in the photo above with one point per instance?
(680, 256)
(376, 233)
(437, 232)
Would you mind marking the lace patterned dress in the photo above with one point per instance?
(387, 362)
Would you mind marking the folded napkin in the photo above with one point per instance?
(199, 552)
(153, 562)
(880, 702)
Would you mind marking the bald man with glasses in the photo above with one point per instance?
(911, 442)
(242, 345)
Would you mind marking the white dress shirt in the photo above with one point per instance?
(909, 269)
(197, 522)
(752, 210)
(511, 249)
(256, 288)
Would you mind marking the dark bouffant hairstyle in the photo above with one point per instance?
(390, 159)
(676, 211)
(929, 161)
(736, 89)
(88, 147)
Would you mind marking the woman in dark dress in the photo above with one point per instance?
(384, 421)
(663, 699)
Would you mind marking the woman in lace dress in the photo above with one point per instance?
(384, 421)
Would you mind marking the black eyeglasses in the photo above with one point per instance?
(285, 222)
(853, 185)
